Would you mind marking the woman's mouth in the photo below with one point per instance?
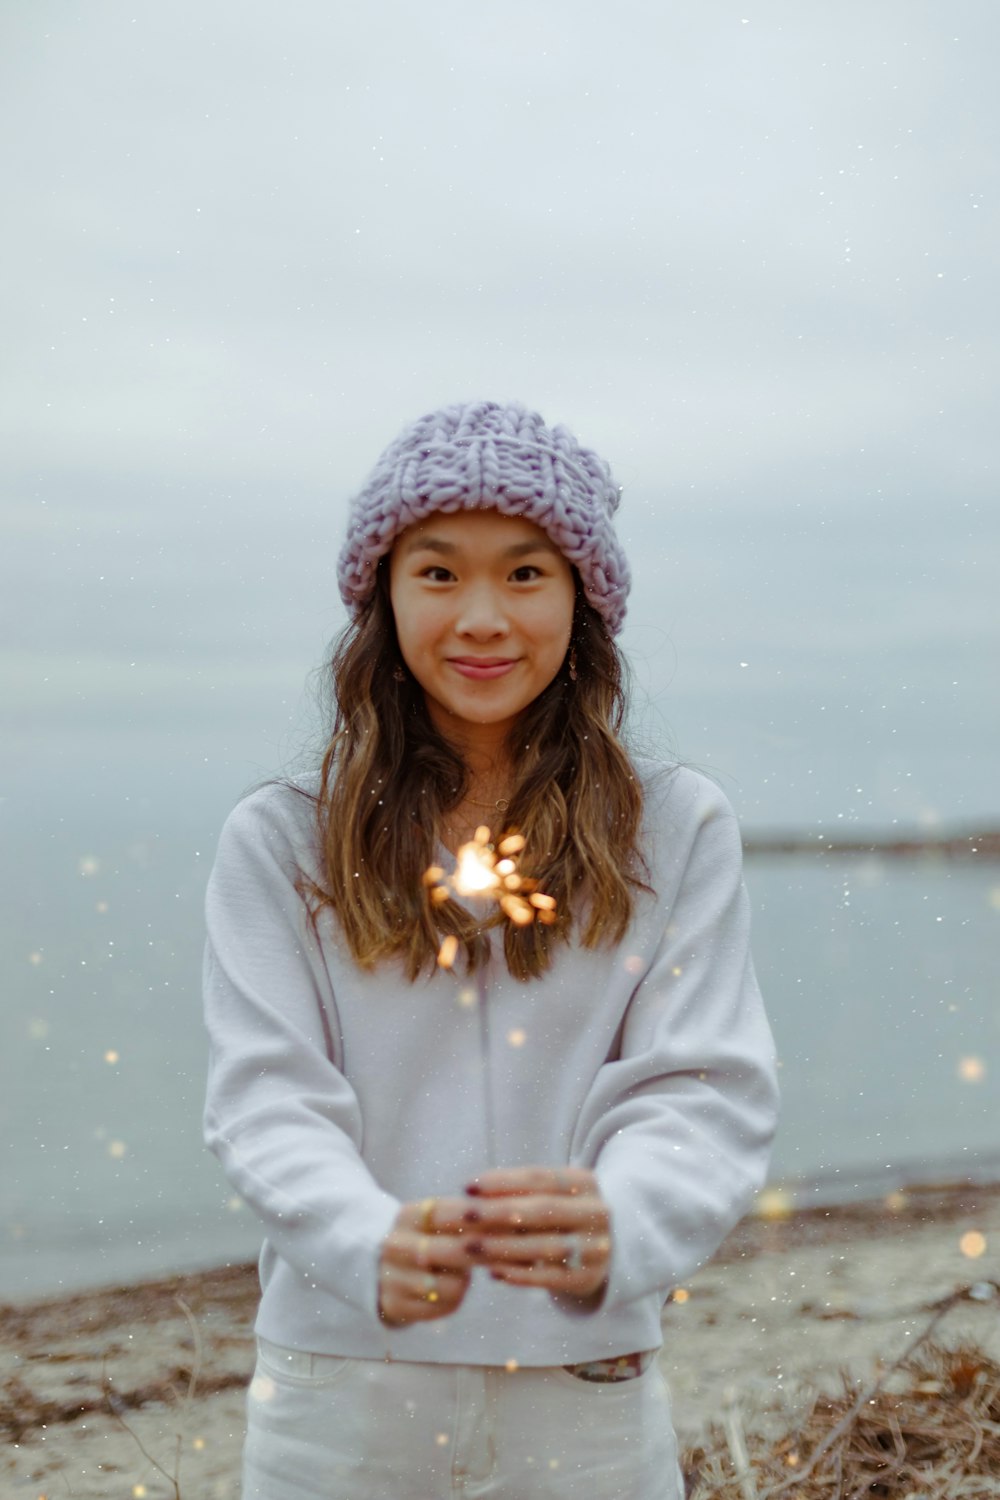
(482, 668)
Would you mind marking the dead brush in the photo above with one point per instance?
(929, 1429)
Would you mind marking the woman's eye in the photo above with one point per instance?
(526, 574)
(436, 574)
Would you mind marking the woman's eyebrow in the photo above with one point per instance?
(429, 544)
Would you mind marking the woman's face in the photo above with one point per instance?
(483, 605)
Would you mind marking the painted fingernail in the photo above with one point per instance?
(475, 1247)
(472, 1216)
(473, 1189)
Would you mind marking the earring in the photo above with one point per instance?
(573, 674)
(398, 674)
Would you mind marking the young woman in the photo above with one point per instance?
(436, 1322)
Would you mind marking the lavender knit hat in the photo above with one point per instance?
(482, 456)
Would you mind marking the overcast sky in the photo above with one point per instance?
(749, 254)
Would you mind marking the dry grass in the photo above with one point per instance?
(929, 1429)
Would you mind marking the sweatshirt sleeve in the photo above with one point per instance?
(280, 1115)
(678, 1127)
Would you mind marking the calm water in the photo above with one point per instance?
(880, 979)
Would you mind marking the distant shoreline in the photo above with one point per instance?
(982, 844)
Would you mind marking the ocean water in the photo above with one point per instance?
(880, 978)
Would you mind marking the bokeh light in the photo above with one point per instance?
(774, 1203)
(971, 1069)
(972, 1244)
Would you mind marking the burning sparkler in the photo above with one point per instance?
(486, 873)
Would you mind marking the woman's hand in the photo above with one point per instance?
(540, 1226)
(424, 1269)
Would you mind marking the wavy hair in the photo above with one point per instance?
(389, 779)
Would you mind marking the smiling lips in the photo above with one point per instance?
(482, 668)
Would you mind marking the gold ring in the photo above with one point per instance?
(431, 1293)
(427, 1207)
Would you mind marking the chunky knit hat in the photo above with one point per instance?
(483, 456)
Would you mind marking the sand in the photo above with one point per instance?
(139, 1390)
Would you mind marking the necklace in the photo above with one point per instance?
(500, 805)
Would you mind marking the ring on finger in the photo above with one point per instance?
(574, 1259)
(427, 1206)
(430, 1292)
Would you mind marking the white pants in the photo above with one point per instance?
(326, 1428)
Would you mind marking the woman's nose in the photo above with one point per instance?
(481, 614)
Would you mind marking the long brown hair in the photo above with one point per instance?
(389, 780)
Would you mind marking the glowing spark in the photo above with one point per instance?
(517, 1037)
(553, 1463)
(677, 971)
(467, 996)
(198, 1444)
(510, 1366)
(971, 1069)
(441, 1439)
(448, 951)
(111, 1056)
(262, 1388)
(475, 874)
(773, 1203)
(34, 958)
(139, 1491)
(895, 1202)
(679, 1294)
(117, 1149)
(972, 1244)
(234, 1204)
(792, 1460)
(89, 865)
(102, 907)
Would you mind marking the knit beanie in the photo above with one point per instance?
(483, 456)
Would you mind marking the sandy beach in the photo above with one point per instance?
(138, 1391)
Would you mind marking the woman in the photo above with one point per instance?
(434, 1321)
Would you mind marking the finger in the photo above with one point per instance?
(426, 1252)
(501, 1181)
(553, 1278)
(534, 1249)
(407, 1295)
(433, 1215)
(530, 1214)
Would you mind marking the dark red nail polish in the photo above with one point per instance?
(473, 1189)
(472, 1216)
(475, 1247)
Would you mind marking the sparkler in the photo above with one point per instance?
(484, 873)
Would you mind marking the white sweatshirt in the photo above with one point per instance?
(334, 1095)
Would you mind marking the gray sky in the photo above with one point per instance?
(749, 254)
